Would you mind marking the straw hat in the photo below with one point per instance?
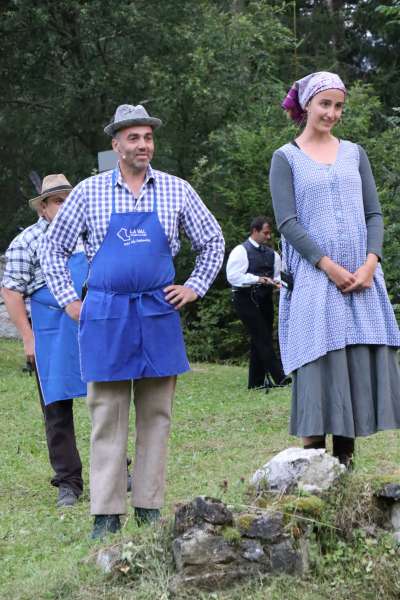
(52, 185)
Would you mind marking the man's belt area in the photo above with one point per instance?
(247, 288)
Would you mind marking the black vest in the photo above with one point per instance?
(261, 260)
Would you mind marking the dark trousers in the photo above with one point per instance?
(255, 309)
(60, 436)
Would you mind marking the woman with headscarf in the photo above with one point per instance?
(338, 333)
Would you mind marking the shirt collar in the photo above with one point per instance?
(254, 243)
(150, 176)
(42, 223)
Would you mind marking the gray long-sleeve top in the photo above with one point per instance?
(284, 204)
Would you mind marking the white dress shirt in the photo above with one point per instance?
(238, 263)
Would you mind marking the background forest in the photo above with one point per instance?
(215, 72)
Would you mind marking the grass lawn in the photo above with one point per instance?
(221, 434)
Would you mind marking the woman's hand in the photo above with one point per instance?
(340, 276)
(364, 275)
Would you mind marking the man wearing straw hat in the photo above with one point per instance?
(52, 347)
(130, 334)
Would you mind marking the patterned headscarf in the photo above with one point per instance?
(304, 89)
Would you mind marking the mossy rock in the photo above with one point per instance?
(307, 505)
(245, 521)
(310, 506)
(264, 502)
(231, 535)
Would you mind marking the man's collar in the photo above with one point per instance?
(42, 223)
(254, 243)
(150, 176)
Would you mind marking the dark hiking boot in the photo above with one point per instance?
(346, 460)
(66, 497)
(105, 524)
(343, 450)
(316, 445)
(144, 516)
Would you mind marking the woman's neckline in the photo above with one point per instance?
(317, 162)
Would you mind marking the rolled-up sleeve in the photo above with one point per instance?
(59, 243)
(207, 241)
(19, 269)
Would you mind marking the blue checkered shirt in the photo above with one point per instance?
(22, 272)
(87, 213)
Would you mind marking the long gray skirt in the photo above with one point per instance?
(350, 392)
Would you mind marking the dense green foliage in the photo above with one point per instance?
(215, 72)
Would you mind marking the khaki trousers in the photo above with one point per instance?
(109, 404)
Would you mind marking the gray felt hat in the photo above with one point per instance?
(127, 115)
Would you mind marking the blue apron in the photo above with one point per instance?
(56, 340)
(127, 329)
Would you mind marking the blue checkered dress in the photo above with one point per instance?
(316, 318)
(87, 213)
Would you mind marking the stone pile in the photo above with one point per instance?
(388, 497)
(214, 547)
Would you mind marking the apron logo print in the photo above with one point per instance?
(132, 236)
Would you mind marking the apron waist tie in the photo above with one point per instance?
(98, 288)
(139, 296)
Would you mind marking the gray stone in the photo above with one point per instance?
(284, 558)
(201, 510)
(303, 545)
(7, 329)
(396, 537)
(390, 491)
(395, 516)
(199, 548)
(108, 558)
(252, 551)
(313, 471)
(267, 526)
(212, 510)
(215, 578)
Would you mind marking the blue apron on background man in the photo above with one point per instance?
(56, 340)
(127, 328)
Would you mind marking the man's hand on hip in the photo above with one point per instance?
(73, 309)
(179, 295)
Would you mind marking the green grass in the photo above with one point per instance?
(221, 434)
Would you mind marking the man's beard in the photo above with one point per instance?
(136, 164)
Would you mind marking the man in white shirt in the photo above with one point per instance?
(253, 270)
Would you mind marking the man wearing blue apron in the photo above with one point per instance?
(52, 347)
(130, 338)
